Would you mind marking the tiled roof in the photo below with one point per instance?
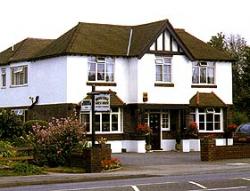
(114, 99)
(110, 40)
(199, 49)
(206, 100)
(23, 50)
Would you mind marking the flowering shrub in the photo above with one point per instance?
(143, 129)
(232, 127)
(113, 163)
(53, 144)
(102, 140)
(192, 130)
(229, 130)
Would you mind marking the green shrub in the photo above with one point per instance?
(28, 126)
(6, 149)
(239, 118)
(26, 169)
(10, 124)
(53, 145)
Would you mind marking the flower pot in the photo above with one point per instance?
(148, 147)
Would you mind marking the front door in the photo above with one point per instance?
(154, 123)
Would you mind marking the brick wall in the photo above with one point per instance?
(91, 158)
(211, 152)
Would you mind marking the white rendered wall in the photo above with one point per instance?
(46, 79)
(77, 78)
(182, 80)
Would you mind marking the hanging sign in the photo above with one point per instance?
(102, 102)
(86, 105)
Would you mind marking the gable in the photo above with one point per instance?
(166, 43)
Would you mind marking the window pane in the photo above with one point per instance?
(92, 72)
(217, 126)
(97, 122)
(105, 122)
(158, 72)
(115, 122)
(165, 121)
(167, 73)
(195, 77)
(203, 75)
(209, 126)
(100, 71)
(109, 72)
(201, 126)
(210, 78)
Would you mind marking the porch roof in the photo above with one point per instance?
(206, 100)
(114, 99)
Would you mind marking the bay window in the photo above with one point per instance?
(105, 122)
(163, 69)
(101, 69)
(203, 73)
(19, 75)
(208, 119)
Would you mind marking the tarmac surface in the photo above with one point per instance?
(135, 165)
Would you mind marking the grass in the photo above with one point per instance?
(61, 169)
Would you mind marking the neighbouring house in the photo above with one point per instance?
(153, 72)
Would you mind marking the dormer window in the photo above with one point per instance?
(203, 73)
(163, 69)
(101, 69)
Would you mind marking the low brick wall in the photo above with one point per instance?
(211, 152)
(91, 158)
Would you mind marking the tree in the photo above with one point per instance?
(237, 48)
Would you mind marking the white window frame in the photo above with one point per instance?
(204, 66)
(97, 61)
(18, 75)
(163, 61)
(118, 113)
(205, 113)
(161, 119)
(3, 78)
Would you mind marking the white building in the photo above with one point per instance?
(155, 74)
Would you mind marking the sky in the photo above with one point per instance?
(20, 19)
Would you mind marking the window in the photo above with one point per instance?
(3, 77)
(203, 73)
(165, 122)
(163, 69)
(19, 75)
(101, 69)
(208, 119)
(165, 119)
(105, 122)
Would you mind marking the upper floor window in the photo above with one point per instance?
(19, 75)
(3, 77)
(163, 69)
(101, 69)
(203, 73)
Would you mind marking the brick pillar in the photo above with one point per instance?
(93, 156)
(208, 149)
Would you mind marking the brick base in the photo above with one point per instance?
(211, 152)
(91, 158)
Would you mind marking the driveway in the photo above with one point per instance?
(158, 158)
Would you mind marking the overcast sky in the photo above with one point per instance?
(20, 19)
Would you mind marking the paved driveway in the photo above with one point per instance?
(158, 158)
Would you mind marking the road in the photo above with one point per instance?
(217, 181)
